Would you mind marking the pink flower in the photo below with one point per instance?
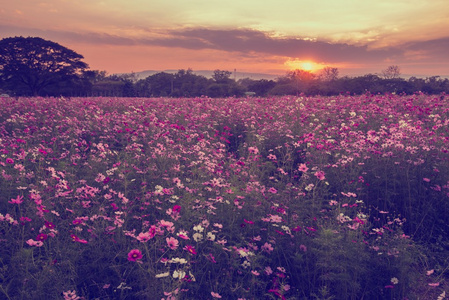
(9, 161)
(34, 243)
(426, 179)
(272, 190)
(303, 168)
(172, 243)
(434, 284)
(77, 239)
(268, 270)
(70, 295)
(134, 255)
(215, 295)
(211, 258)
(167, 224)
(320, 175)
(144, 237)
(18, 200)
(267, 248)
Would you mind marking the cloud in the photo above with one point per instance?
(249, 44)
(242, 41)
(436, 48)
(253, 41)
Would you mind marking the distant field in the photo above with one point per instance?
(237, 198)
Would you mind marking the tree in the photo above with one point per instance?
(221, 76)
(261, 87)
(329, 74)
(29, 65)
(391, 72)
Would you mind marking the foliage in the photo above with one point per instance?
(30, 66)
(199, 198)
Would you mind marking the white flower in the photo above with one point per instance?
(197, 237)
(394, 280)
(161, 275)
(198, 228)
(178, 260)
(210, 236)
(179, 274)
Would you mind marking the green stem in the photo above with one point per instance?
(4, 292)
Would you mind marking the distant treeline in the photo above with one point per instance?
(185, 83)
(36, 67)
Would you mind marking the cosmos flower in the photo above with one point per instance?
(134, 255)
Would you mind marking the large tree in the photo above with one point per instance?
(30, 65)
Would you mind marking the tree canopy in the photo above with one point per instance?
(29, 65)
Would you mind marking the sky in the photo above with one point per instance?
(265, 36)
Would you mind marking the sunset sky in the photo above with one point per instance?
(355, 36)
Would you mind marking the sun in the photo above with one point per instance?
(306, 65)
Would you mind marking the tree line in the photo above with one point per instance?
(33, 66)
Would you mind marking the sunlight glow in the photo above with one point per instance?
(306, 65)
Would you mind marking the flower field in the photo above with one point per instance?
(341, 197)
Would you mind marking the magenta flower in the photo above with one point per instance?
(190, 249)
(41, 237)
(49, 225)
(177, 208)
(152, 231)
(9, 161)
(134, 255)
